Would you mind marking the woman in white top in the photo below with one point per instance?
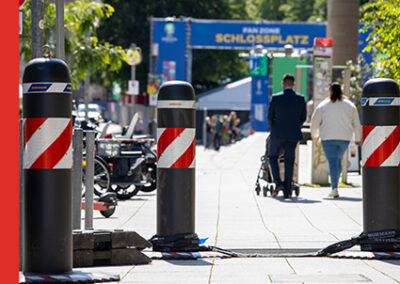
(335, 120)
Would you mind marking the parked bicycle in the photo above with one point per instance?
(124, 166)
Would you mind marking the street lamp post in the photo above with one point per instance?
(37, 28)
(60, 48)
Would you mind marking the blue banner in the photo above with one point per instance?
(171, 39)
(362, 43)
(259, 103)
(245, 35)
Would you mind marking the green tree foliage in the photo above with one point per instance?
(358, 75)
(84, 52)
(265, 10)
(130, 24)
(382, 20)
(296, 10)
(287, 10)
(319, 11)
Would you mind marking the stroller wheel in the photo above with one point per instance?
(296, 190)
(265, 191)
(270, 188)
(258, 189)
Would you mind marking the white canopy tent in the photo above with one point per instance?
(233, 96)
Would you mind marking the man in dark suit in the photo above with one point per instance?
(286, 114)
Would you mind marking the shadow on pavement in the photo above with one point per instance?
(183, 262)
(133, 199)
(298, 200)
(357, 199)
(146, 194)
(101, 218)
(391, 261)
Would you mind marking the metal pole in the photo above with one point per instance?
(205, 128)
(37, 28)
(133, 77)
(151, 46)
(189, 65)
(86, 96)
(189, 54)
(21, 194)
(89, 182)
(77, 149)
(133, 67)
(60, 47)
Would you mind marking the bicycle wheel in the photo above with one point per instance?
(150, 180)
(125, 192)
(102, 178)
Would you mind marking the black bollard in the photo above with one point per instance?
(380, 104)
(176, 161)
(47, 163)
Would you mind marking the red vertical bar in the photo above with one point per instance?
(9, 48)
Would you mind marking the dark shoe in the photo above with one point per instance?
(287, 194)
(275, 192)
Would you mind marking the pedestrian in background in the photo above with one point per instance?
(233, 122)
(218, 131)
(208, 132)
(334, 121)
(139, 127)
(225, 132)
(286, 114)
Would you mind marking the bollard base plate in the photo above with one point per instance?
(75, 276)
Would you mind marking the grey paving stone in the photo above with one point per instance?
(231, 215)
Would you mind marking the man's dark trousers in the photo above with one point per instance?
(275, 148)
(286, 113)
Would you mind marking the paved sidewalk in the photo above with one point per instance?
(232, 216)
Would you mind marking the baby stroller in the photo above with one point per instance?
(265, 173)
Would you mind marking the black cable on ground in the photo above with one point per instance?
(383, 241)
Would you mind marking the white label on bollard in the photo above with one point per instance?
(176, 104)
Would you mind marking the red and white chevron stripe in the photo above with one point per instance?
(381, 146)
(72, 277)
(47, 143)
(184, 255)
(365, 255)
(176, 147)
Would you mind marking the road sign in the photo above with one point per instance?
(21, 2)
(258, 65)
(134, 56)
(133, 87)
